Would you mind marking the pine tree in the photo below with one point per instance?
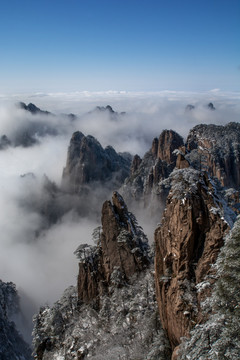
(96, 234)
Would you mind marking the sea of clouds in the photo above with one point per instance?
(38, 259)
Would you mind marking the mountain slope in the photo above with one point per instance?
(12, 345)
(187, 245)
(113, 312)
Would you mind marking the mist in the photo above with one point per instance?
(36, 256)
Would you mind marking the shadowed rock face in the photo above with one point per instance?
(122, 251)
(33, 109)
(123, 243)
(113, 312)
(211, 106)
(187, 244)
(156, 165)
(12, 345)
(181, 162)
(88, 163)
(211, 148)
(4, 142)
(168, 141)
(29, 133)
(216, 149)
(135, 164)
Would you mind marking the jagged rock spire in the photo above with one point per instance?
(187, 244)
(88, 163)
(123, 247)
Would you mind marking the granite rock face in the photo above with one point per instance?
(213, 149)
(187, 244)
(216, 149)
(113, 312)
(155, 166)
(112, 295)
(122, 251)
(88, 163)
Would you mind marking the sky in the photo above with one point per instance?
(134, 45)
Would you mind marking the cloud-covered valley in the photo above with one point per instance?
(36, 255)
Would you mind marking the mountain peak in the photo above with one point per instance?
(33, 109)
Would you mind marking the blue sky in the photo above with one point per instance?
(132, 45)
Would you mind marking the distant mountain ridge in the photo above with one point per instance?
(33, 109)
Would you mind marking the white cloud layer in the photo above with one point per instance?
(44, 267)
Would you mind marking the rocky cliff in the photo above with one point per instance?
(155, 166)
(115, 295)
(216, 149)
(122, 251)
(89, 164)
(112, 314)
(187, 245)
(210, 148)
(33, 109)
(12, 345)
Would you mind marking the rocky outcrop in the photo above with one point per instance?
(168, 141)
(88, 163)
(108, 111)
(135, 164)
(12, 345)
(189, 107)
(113, 312)
(155, 166)
(211, 148)
(112, 300)
(107, 108)
(182, 162)
(4, 142)
(28, 132)
(211, 106)
(33, 109)
(216, 149)
(122, 251)
(187, 244)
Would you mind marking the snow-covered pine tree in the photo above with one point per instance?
(96, 235)
(218, 338)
